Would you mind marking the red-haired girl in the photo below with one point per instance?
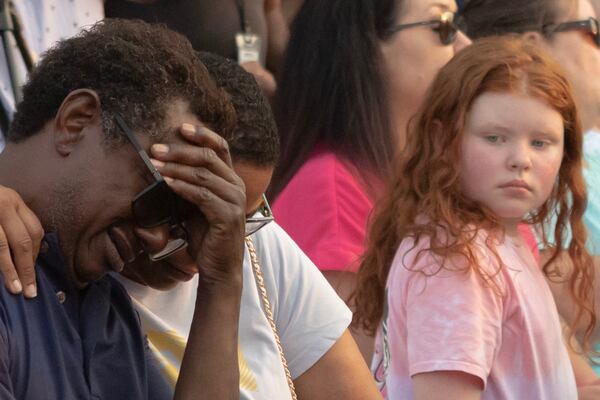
(460, 307)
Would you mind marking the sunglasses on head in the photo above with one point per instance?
(589, 26)
(444, 26)
(157, 204)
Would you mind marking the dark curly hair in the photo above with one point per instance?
(255, 138)
(483, 18)
(135, 68)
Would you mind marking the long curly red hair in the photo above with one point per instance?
(425, 182)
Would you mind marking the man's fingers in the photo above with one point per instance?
(7, 268)
(34, 227)
(204, 177)
(215, 209)
(194, 156)
(200, 137)
(20, 246)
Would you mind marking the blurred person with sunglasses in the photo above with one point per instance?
(353, 75)
(322, 359)
(90, 105)
(568, 29)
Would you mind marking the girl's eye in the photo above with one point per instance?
(492, 138)
(538, 143)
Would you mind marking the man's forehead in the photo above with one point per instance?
(177, 113)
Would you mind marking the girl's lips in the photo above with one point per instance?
(516, 183)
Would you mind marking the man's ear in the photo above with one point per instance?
(79, 110)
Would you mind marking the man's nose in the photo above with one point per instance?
(153, 239)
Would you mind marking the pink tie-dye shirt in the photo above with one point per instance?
(507, 334)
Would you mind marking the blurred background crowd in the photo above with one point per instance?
(344, 80)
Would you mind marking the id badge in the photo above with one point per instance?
(248, 46)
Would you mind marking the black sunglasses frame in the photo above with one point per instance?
(254, 224)
(591, 25)
(445, 26)
(158, 188)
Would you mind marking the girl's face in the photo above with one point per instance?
(413, 56)
(511, 152)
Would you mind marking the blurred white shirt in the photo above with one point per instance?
(44, 22)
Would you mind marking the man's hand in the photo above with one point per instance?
(20, 236)
(201, 172)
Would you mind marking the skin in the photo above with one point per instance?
(71, 147)
(290, 9)
(596, 5)
(511, 140)
(580, 58)
(412, 58)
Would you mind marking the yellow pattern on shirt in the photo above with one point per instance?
(169, 342)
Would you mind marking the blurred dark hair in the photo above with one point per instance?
(332, 87)
(484, 18)
(136, 69)
(255, 138)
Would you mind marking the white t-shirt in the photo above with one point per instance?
(308, 313)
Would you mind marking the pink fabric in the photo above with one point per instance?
(527, 233)
(452, 321)
(325, 210)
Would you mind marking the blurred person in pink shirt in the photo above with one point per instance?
(353, 75)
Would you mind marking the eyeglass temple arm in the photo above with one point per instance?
(412, 25)
(566, 26)
(130, 135)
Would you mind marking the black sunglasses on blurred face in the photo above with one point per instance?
(444, 26)
(589, 26)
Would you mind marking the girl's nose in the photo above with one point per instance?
(519, 157)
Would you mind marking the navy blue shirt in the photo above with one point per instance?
(74, 344)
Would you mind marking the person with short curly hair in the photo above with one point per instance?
(78, 152)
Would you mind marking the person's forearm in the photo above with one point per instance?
(209, 369)
(278, 35)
